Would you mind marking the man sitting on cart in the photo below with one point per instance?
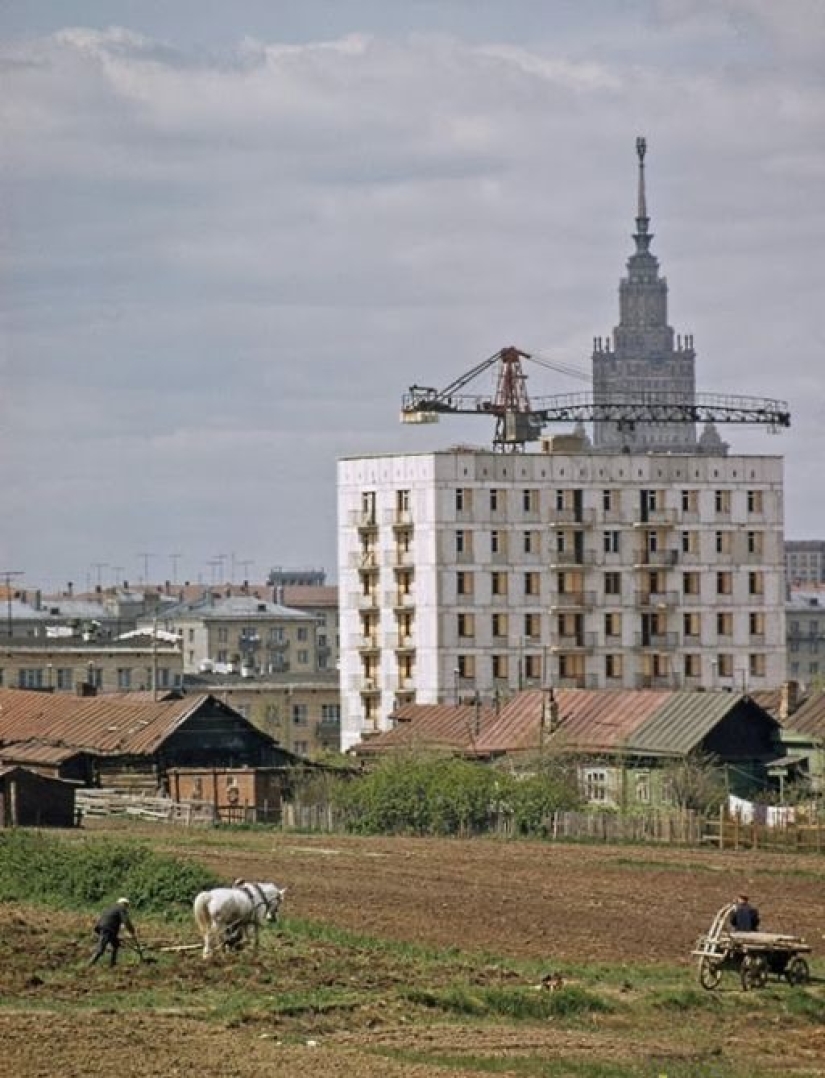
(744, 917)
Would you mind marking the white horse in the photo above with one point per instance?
(226, 916)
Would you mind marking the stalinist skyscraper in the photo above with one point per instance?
(645, 360)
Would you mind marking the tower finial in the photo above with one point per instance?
(642, 220)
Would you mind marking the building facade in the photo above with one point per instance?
(644, 359)
(467, 572)
(806, 637)
(805, 561)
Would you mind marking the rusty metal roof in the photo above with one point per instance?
(809, 717)
(111, 725)
(446, 726)
(585, 719)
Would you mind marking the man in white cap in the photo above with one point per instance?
(108, 929)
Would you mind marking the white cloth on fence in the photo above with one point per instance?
(780, 815)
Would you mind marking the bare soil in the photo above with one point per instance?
(588, 911)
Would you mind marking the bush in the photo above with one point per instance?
(42, 868)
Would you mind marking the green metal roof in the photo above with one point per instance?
(681, 723)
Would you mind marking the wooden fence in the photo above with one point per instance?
(731, 833)
(136, 806)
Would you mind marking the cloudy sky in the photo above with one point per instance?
(233, 234)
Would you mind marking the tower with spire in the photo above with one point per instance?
(644, 359)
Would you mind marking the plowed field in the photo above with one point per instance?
(375, 927)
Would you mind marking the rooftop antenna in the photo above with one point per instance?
(7, 575)
(145, 558)
(175, 558)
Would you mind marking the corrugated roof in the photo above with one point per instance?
(809, 717)
(36, 752)
(585, 719)
(452, 726)
(310, 595)
(682, 721)
(104, 724)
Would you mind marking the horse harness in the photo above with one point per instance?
(234, 932)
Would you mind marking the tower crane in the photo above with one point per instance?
(519, 420)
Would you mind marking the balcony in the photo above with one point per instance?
(399, 518)
(366, 602)
(658, 559)
(367, 643)
(570, 516)
(364, 520)
(655, 681)
(369, 687)
(657, 599)
(567, 600)
(574, 642)
(666, 641)
(403, 600)
(403, 559)
(570, 559)
(364, 560)
(656, 518)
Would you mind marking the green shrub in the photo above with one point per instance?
(35, 867)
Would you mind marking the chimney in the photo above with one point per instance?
(70, 589)
(788, 699)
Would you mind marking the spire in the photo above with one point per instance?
(641, 236)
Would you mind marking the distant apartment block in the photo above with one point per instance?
(805, 614)
(805, 561)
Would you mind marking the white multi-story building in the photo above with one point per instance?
(468, 573)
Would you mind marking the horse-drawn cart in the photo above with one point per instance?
(755, 956)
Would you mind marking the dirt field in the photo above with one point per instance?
(617, 921)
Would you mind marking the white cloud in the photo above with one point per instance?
(223, 268)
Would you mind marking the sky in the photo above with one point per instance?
(233, 235)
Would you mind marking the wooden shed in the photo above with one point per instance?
(28, 799)
(239, 795)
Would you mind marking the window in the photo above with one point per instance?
(530, 541)
(532, 667)
(499, 625)
(466, 666)
(723, 542)
(464, 583)
(613, 666)
(124, 677)
(531, 583)
(191, 635)
(30, 679)
(65, 679)
(299, 715)
(495, 498)
(692, 665)
(466, 625)
(607, 501)
(724, 583)
(463, 500)
(496, 542)
(498, 583)
(722, 501)
(402, 501)
(690, 583)
(223, 635)
(690, 542)
(463, 542)
(756, 623)
(501, 666)
(655, 582)
(561, 542)
(756, 583)
(754, 540)
(303, 656)
(330, 712)
(756, 665)
(724, 665)
(724, 623)
(594, 781)
(611, 542)
(303, 633)
(300, 748)
(755, 501)
(532, 625)
(277, 635)
(690, 501)
(613, 583)
(529, 500)
(642, 784)
(691, 624)
(613, 624)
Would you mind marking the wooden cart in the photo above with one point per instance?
(755, 956)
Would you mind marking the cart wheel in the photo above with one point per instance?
(710, 973)
(798, 971)
(754, 972)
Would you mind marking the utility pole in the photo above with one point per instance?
(8, 575)
(175, 558)
(145, 557)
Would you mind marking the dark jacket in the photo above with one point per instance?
(744, 917)
(112, 920)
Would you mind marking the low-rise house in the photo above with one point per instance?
(622, 741)
(128, 742)
(28, 799)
